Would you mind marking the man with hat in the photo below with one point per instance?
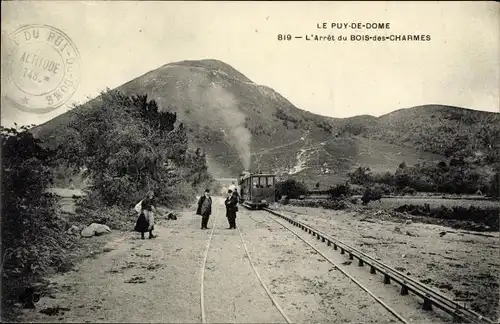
(205, 208)
(231, 208)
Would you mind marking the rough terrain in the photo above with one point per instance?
(159, 280)
(461, 264)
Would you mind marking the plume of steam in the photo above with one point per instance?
(220, 104)
(218, 109)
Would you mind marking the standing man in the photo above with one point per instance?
(204, 208)
(231, 209)
(236, 194)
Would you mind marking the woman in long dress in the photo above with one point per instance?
(145, 222)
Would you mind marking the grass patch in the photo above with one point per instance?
(481, 216)
(322, 203)
(391, 203)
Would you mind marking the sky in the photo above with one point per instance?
(119, 41)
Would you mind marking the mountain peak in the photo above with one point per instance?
(243, 125)
(212, 65)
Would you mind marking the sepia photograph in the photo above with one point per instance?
(250, 162)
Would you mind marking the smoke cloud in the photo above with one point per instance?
(219, 110)
(224, 105)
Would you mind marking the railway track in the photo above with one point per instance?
(430, 296)
(247, 253)
(378, 300)
(275, 303)
(202, 279)
(397, 316)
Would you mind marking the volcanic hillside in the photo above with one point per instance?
(243, 125)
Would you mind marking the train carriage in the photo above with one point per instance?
(257, 190)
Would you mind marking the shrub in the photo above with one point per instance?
(327, 204)
(385, 189)
(457, 178)
(385, 178)
(485, 216)
(371, 194)
(408, 191)
(291, 188)
(115, 217)
(281, 114)
(338, 191)
(360, 176)
(356, 189)
(284, 201)
(32, 236)
(402, 177)
(354, 128)
(494, 185)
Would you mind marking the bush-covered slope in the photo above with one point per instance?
(243, 125)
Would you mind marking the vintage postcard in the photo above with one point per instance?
(250, 161)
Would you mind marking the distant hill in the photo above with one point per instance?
(454, 132)
(243, 125)
(451, 131)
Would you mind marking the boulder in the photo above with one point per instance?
(95, 229)
(102, 229)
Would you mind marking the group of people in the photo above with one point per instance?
(146, 208)
(205, 208)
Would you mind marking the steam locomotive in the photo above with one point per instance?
(257, 190)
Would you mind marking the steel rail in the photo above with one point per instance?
(202, 284)
(392, 311)
(429, 295)
(202, 281)
(275, 303)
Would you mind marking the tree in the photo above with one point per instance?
(494, 186)
(130, 147)
(489, 137)
(360, 176)
(442, 165)
(291, 188)
(338, 191)
(371, 194)
(28, 220)
(402, 177)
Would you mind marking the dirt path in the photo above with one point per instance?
(137, 281)
(233, 293)
(159, 280)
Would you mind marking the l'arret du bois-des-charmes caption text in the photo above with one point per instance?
(362, 32)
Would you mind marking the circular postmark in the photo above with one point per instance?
(44, 68)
